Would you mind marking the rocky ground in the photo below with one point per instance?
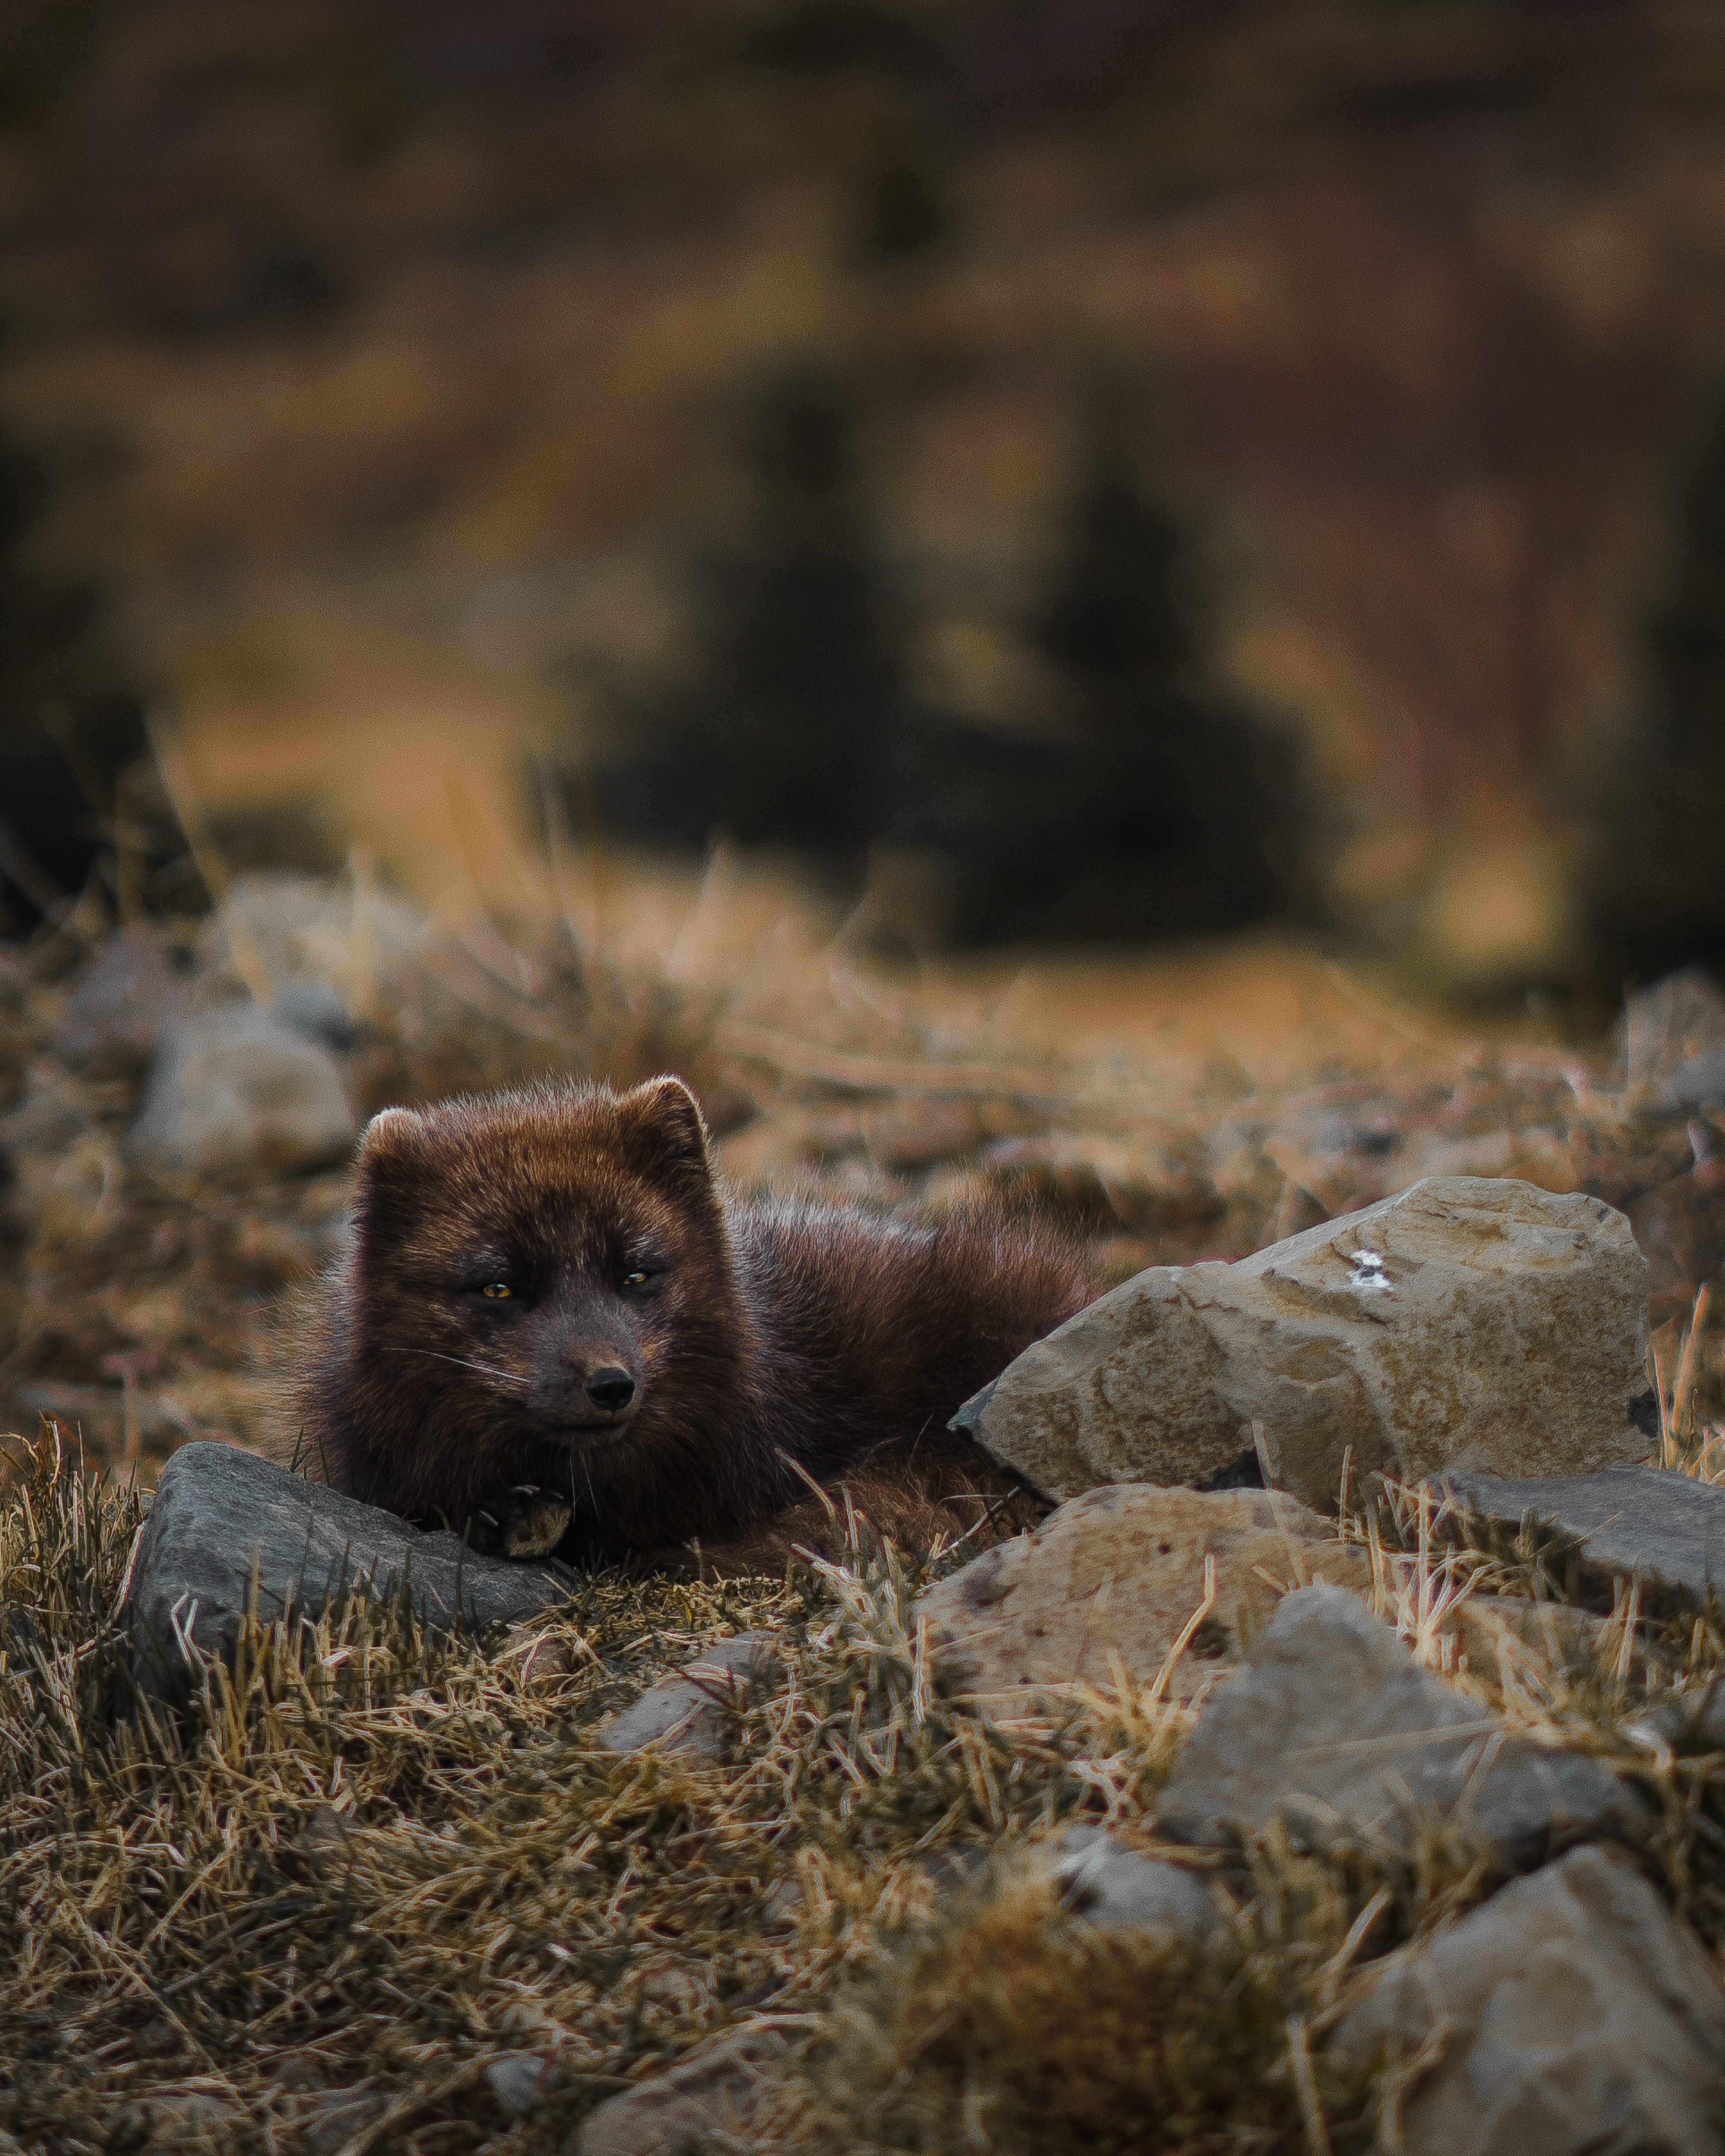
(179, 1105)
(1198, 1819)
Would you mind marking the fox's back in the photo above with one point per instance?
(873, 1330)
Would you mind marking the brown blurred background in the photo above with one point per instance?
(1063, 471)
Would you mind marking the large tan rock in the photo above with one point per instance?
(1468, 1321)
(1120, 1571)
(1571, 2014)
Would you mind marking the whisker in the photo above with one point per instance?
(461, 1363)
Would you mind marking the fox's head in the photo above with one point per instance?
(544, 1273)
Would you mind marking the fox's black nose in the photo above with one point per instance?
(611, 1389)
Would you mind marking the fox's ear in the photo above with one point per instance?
(392, 1133)
(393, 1140)
(391, 1171)
(664, 1121)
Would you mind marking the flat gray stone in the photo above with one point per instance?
(1469, 1322)
(1572, 2015)
(712, 2092)
(1647, 1522)
(1117, 1890)
(1333, 1728)
(686, 1712)
(219, 1511)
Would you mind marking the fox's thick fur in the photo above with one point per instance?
(550, 1287)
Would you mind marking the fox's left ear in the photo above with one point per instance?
(663, 1120)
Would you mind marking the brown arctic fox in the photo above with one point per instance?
(553, 1328)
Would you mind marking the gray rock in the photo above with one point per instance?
(1693, 1088)
(119, 1009)
(714, 2090)
(1670, 1038)
(1117, 1890)
(331, 2117)
(234, 1092)
(1650, 1522)
(316, 1009)
(1333, 1728)
(687, 1713)
(188, 2121)
(277, 927)
(217, 1512)
(1574, 2014)
(1413, 1336)
(519, 2079)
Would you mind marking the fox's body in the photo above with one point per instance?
(549, 1288)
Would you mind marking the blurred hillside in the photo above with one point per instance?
(385, 346)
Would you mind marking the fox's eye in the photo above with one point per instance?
(497, 1292)
(637, 1278)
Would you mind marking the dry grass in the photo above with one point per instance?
(362, 1870)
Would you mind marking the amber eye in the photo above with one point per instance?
(497, 1292)
(636, 1279)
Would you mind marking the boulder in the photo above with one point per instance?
(1120, 1571)
(1468, 1322)
(1335, 1729)
(687, 1713)
(714, 2090)
(1116, 1889)
(219, 1513)
(1571, 2013)
(235, 1093)
(1650, 1523)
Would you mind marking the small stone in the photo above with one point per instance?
(1334, 1728)
(539, 1656)
(1575, 2016)
(1415, 1335)
(1671, 1043)
(218, 1511)
(1117, 1890)
(1650, 1523)
(189, 2121)
(119, 1009)
(1120, 1573)
(233, 1093)
(316, 1009)
(714, 2090)
(328, 2119)
(687, 1713)
(519, 2079)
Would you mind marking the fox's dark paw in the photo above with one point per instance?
(522, 1521)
